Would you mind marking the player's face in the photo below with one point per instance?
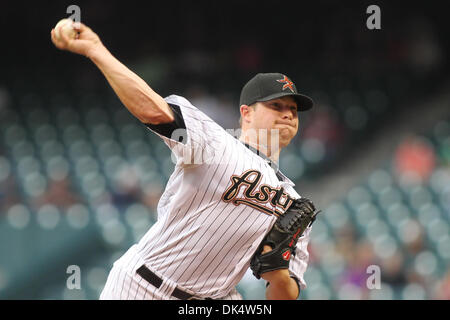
(280, 114)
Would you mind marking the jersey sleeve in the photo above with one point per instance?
(198, 141)
(299, 262)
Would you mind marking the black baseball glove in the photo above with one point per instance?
(283, 237)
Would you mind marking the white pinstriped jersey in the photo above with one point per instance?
(219, 203)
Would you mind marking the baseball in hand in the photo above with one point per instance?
(65, 26)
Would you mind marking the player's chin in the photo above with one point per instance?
(287, 132)
(285, 139)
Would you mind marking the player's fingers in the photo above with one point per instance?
(55, 41)
(266, 249)
(61, 41)
(80, 27)
(64, 37)
(84, 32)
(58, 29)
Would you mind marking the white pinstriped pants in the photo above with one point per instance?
(123, 284)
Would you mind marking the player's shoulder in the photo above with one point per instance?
(187, 108)
(193, 116)
(179, 101)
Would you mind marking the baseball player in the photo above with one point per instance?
(227, 206)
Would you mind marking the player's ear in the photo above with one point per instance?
(246, 112)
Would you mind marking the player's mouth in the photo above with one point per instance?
(287, 123)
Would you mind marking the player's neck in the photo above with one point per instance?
(272, 153)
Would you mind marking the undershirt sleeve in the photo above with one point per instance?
(166, 129)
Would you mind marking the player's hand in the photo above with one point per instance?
(268, 275)
(276, 274)
(282, 286)
(283, 237)
(84, 43)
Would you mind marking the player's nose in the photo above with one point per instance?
(287, 114)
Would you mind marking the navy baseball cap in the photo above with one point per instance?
(268, 86)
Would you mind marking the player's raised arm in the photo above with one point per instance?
(144, 103)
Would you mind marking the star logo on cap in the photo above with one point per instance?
(287, 83)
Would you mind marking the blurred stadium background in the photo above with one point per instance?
(80, 177)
